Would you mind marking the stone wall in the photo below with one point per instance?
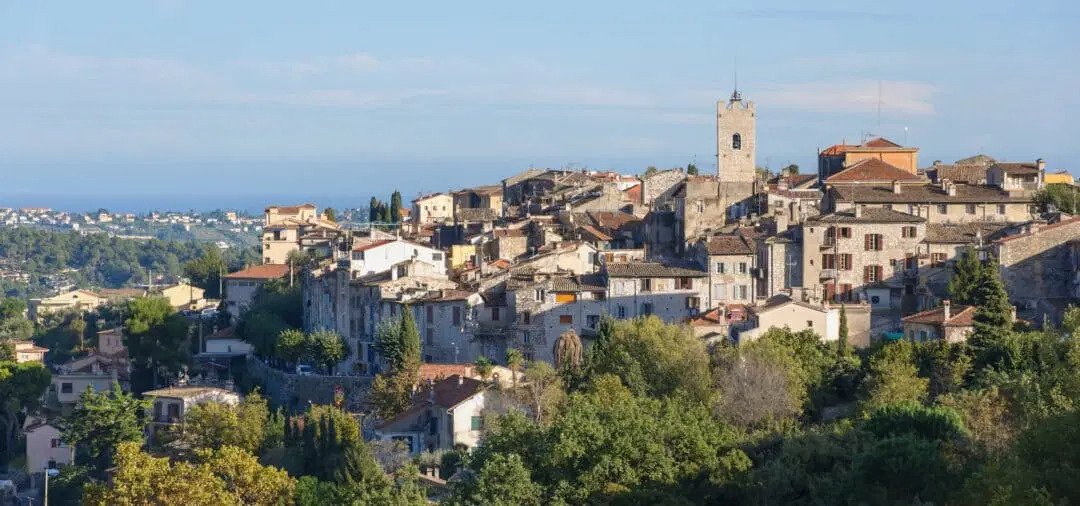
(1036, 265)
(295, 392)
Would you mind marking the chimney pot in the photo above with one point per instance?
(858, 210)
(460, 380)
(896, 186)
(947, 304)
(951, 190)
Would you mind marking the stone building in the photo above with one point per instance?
(731, 261)
(945, 202)
(1017, 177)
(432, 209)
(286, 227)
(953, 324)
(736, 145)
(1035, 267)
(822, 319)
(488, 197)
(862, 255)
(547, 305)
(671, 292)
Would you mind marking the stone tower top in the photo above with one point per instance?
(735, 139)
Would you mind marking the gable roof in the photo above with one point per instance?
(924, 193)
(264, 271)
(837, 149)
(880, 142)
(1018, 168)
(961, 316)
(868, 215)
(729, 245)
(963, 233)
(779, 301)
(872, 169)
(446, 393)
(652, 270)
(972, 173)
(372, 245)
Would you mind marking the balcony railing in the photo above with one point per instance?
(828, 243)
(828, 273)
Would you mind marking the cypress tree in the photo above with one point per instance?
(373, 210)
(843, 344)
(395, 207)
(410, 339)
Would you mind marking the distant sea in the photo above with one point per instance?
(142, 204)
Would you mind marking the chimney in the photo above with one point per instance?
(858, 211)
(951, 190)
(781, 221)
(1041, 164)
(896, 186)
(782, 183)
(460, 380)
(947, 304)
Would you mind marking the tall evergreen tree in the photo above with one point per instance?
(843, 344)
(410, 339)
(373, 210)
(992, 342)
(968, 273)
(395, 207)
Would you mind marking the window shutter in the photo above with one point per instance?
(878, 272)
(866, 274)
(866, 242)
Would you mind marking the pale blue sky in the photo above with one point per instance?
(172, 96)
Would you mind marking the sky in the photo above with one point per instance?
(167, 102)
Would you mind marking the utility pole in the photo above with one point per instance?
(46, 503)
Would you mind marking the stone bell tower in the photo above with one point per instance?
(735, 153)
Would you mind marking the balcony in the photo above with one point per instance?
(828, 274)
(828, 243)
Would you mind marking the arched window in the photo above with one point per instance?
(736, 141)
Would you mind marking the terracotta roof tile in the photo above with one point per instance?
(872, 169)
(264, 271)
(971, 173)
(372, 245)
(962, 316)
(868, 215)
(729, 245)
(963, 233)
(926, 193)
(837, 149)
(880, 142)
(1018, 168)
(652, 270)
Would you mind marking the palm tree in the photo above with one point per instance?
(514, 360)
(484, 367)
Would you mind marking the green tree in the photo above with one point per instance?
(247, 481)
(656, 359)
(395, 207)
(514, 360)
(967, 275)
(329, 348)
(205, 271)
(410, 339)
(291, 346)
(484, 367)
(842, 345)
(893, 378)
(156, 338)
(759, 382)
(330, 214)
(1062, 197)
(503, 481)
(142, 479)
(101, 422)
(691, 169)
(542, 390)
(650, 170)
(213, 425)
(373, 210)
(993, 343)
(790, 170)
(7, 350)
(21, 388)
(391, 393)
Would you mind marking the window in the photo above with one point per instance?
(430, 314)
(809, 324)
(457, 315)
(743, 292)
(566, 319)
(428, 359)
(433, 424)
(844, 263)
(943, 209)
(526, 317)
(647, 308)
(736, 141)
(495, 314)
(564, 297)
(621, 311)
(592, 320)
(646, 285)
(57, 443)
(873, 242)
(700, 207)
(476, 423)
(828, 261)
(872, 273)
(938, 259)
(693, 302)
(970, 208)
(430, 336)
(525, 337)
(1001, 209)
(719, 292)
(66, 388)
(908, 232)
(719, 267)
(174, 412)
(845, 232)
(887, 206)
(684, 284)
(538, 294)
(742, 267)
(911, 209)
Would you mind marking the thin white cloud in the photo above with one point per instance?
(905, 97)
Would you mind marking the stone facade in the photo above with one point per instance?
(660, 187)
(295, 392)
(736, 162)
(1035, 264)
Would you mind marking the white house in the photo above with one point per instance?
(44, 447)
(170, 405)
(378, 256)
(824, 320)
(445, 414)
(241, 286)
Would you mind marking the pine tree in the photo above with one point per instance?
(992, 342)
(968, 274)
(373, 210)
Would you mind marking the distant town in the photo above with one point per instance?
(506, 343)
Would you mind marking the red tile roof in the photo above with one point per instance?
(1018, 168)
(872, 169)
(729, 245)
(708, 319)
(961, 316)
(837, 149)
(437, 372)
(264, 271)
(880, 142)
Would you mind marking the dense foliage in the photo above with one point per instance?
(97, 260)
